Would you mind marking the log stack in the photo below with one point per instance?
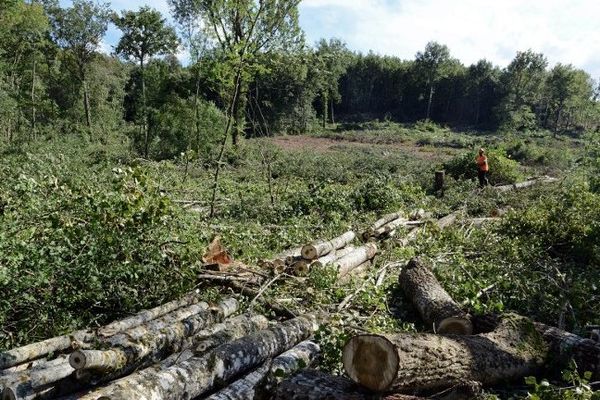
(177, 342)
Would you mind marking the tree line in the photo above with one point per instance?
(250, 73)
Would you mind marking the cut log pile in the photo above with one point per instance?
(180, 349)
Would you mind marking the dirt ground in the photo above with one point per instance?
(323, 145)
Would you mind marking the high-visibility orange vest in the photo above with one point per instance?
(482, 161)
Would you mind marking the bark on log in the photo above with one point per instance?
(331, 257)
(25, 384)
(564, 346)
(129, 349)
(316, 385)
(366, 235)
(431, 362)
(198, 375)
(353, 260)
(392, 226)
(318, 249)
(434, 304)
(357, 272)
(148, 315)
(265, 378)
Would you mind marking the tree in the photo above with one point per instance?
(330, 63)
(145, 35)
(433, 65)
(242, 29)
(568, 89)
(482, 81)
(79, 31)
(523, 82)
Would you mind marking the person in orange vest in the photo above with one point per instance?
(483, 168)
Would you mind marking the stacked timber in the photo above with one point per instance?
(387, 226)
(185, 338)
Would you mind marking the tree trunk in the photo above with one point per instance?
(86, 105)
(332, 257)
(33, 108)
(239, 112)
(379, 223)
(319, 249)
(429, 103)
(325, 105)
(199, 375)
(351, 261)
(312, 385)
(439, 180)
(434, 304)
(132, 347)
(422, 362)
(144, 109)
(197, 112)
(332, 114)
(265, 378)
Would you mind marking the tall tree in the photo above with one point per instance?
(433, 65)
(330, 62)
(145, 35)
(568, 89)
(79, 31)
(482, 80)
(242, 29)
(523, 82)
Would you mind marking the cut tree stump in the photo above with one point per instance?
(320, 248)
(423, 362)
(351, 261)
(434, 304)
(198, 375)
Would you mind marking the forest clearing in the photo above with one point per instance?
(274, 220)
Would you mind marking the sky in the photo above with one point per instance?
(566, 31)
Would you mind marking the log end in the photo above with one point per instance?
(309, 252)
(455, 326)
(301, 268)
(78, 360)
(372, 361)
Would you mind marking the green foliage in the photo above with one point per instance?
(579, 387)
(502, 169)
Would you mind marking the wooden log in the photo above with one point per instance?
(148, 315)
(129, 349)
(368, 233)
(564, 346)
(315, 385)
(265, 378)
(317, 249)
(448, 220)
(431, 362)
(331, 257)
(434, 304)
(352, 260)
(300, 268)
(387, 229)
(479, 222)
(198, 375)
(26, 384)
(440, 177)
(357, 272)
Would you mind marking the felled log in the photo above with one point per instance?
(301, 268)
(148, 315)
(366, 235)
(354, 259)
(434, 304)
(441, 224)
(317, 249)
(316, 385)
(198, 375)
(265, 378)
(479, 222)
(390, 227)
(421, 362)
(127, 349)
(357, 272)
(526, 184)
(331, 257)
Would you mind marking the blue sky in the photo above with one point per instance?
(566, 31)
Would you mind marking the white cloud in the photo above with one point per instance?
(565, 31)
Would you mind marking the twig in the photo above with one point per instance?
(264, 287)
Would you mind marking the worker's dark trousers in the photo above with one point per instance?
(483, 179)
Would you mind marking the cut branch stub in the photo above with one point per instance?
(434, 304)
